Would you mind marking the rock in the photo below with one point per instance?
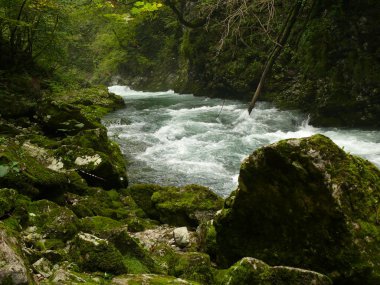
(52, 221)
(305, 203)
(256, 272)
(62, 118)
(35, 172)
(163, 234)
(181, 236)
(149, 279)
(43, 267)
(185, 206)
(13, 267)
(97, 168)
(194, 266)
(95, 254)
(98, 225)
(207, 238)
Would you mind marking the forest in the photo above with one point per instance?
(260, 165)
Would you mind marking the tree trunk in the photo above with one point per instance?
(276, 51)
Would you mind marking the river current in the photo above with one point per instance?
(173, 139)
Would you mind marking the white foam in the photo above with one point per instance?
(184, 139)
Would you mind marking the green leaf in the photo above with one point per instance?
(4, 169)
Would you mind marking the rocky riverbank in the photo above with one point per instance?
(68, 216)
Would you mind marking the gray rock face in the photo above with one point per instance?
(305, 203)
(12, 266)
(181, 236)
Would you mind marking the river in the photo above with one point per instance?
(173, 139)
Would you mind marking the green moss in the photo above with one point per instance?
(150, 279)
(94, 254)
(297, 203)
(52, 221)
(207, 238)
(193, 266)
(135, 266)
(253, 271)
(98, 224)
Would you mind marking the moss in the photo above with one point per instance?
(188, 205)
(98, 224)
(193, 266)
(141, 194)
(207, 238)
(52, 221)
(94, 254)
(297, 203)
(97, 202)
(253, 271)
(135, 266)
(150, 279)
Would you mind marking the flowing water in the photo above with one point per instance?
(173, 139)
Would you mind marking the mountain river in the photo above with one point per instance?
(173, 139)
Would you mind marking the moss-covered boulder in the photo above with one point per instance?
(192, 266)
(35, 171)
(256, 272)
(95, 254)
(52, 221)
(60, 118)
(149, 279)
(110, 204)
(305, 203)
(179, 206)
(97, 168)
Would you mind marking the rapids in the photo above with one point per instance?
(173, 139)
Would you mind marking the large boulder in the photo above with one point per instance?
(305, 203)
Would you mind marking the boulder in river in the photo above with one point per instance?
(305, 203)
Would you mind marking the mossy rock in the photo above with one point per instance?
(110, 204)
(142, 194)
(137, 259)
(97, 168)
(179, 206)
(35, 172)
(52, 221)
(149, 279)
(14, 267)
(97, 224)
(69, 273)
(188, 205)
(305, 203)
(58, 118)
(193, 266)
(95, 254)
(207, 238)
(256, 272)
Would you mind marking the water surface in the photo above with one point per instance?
(173, 139)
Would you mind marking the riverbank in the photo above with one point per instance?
(67, 215)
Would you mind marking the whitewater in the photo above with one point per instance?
(174, 139)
